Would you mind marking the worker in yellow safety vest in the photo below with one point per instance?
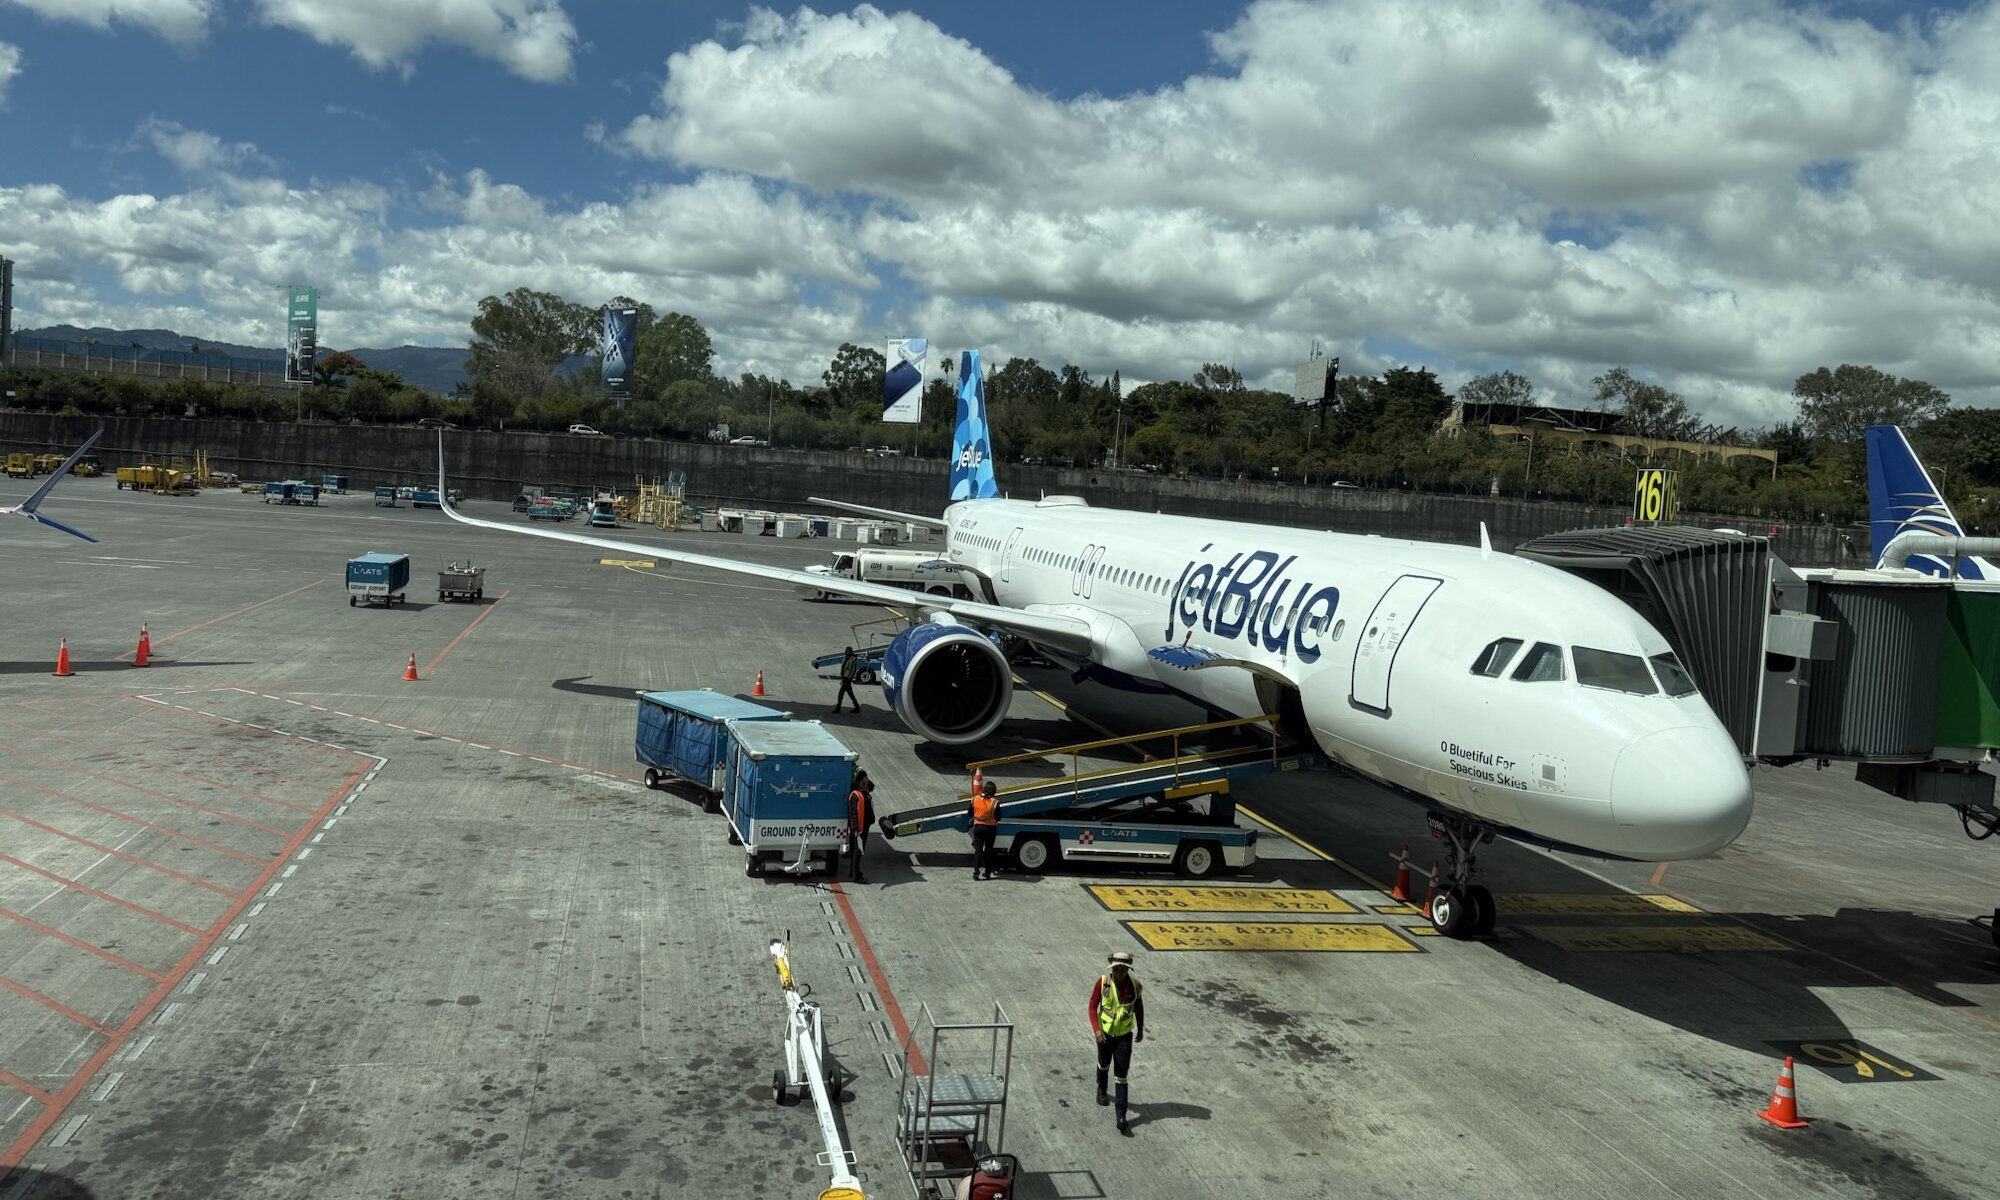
(985, 827)
(1117, 1020)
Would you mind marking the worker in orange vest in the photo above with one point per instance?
(985, 827)
(860, 812)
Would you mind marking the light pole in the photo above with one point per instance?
(769, 410)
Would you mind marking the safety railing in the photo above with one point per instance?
(1175, 759)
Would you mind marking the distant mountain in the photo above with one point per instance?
(433, 368)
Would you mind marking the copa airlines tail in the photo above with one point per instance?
(1500, 694)
(1902, 499)
(31, 508)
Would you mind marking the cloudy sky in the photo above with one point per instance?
(1720, 195)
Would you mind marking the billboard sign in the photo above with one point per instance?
(301, 335)
(1313, 384)
(903, 382)
(615, 344)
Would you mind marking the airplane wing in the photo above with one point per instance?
(887, 514)
(1059, 632)
(31, 508)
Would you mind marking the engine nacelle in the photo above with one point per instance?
(946, 681)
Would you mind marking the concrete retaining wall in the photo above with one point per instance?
(493, 466)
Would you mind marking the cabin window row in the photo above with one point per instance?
(1545, 662)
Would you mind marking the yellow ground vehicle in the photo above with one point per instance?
(87, 466)
(20, 465)
(49, 464)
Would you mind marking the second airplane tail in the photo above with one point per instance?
(972, 463)
(1902, 499)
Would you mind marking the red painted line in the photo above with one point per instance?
(432, 665)
(80, 944)
(21, 989)
(1660, 872)
(112, 812)
(880, 979)
(85, 888)
(246, 822)
(54, 1107)
(134, 859)
(20, 1084)
(224, 617)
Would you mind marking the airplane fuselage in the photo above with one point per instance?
(1397, 658)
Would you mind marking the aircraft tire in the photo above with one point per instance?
(1484, 911)
(1197, 860)
(1448, 913)
(1036, 853)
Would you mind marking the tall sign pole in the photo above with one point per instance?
(6, 307)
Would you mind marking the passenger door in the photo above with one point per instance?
(1382, 637)
(1007, 553)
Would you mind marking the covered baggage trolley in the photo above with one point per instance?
(786, 798)
(385, 495)
(376, 577)
(461, 581)
(335, 485)
(682, 734)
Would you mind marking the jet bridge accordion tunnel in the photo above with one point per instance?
(1893, 671)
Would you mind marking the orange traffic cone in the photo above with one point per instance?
(1784, 1110)
(1431, 889)
(1401, 892)
(978, 781)
(410, 672)
(144, 655)
(757, 689)
(62, 659)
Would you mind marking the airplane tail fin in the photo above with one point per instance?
(31, 507)
(1902, 499)
(972, 465)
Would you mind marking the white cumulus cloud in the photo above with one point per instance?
(10, 66)
(532, 38)
(195, 151)
(182, 21)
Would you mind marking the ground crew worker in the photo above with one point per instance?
(985, 827)
(860, 811)
(1117, 1019)
(850, 666)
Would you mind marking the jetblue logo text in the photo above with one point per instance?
(1253, 598)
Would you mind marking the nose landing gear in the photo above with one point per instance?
(1457, 907)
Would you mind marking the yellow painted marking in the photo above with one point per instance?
(646, 563)
(1644, 938)
(1363, 939)
(1421, 930)
(1309, 848)
(1137, 898)
(1578, 904)
(1398, 910)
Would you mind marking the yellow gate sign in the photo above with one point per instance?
(1657, 498)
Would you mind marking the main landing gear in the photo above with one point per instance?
(1458, 907)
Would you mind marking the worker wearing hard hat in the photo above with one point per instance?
(1117, 1020)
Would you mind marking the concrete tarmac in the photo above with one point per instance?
(275, 922)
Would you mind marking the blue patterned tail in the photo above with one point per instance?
(1902, 499)
(972, 465)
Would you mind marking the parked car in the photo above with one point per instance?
(747, 440)
(1343, 483)
(585, 431)
(435, 423)
(884, 451)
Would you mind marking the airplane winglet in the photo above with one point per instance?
(1485, 542)
(31, 507)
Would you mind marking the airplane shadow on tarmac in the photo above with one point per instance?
(42, 1185)
(118, 666)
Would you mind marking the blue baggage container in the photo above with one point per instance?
(378, 578)
(281, 492)
(337, 484)
(385, 496)
(787, 794)
(682, 733)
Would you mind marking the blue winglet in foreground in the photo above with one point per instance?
(31, 508)
(1902, 499)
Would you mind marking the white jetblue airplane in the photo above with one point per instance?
(1502, 694)
(31, 508)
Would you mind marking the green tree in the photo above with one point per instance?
(1646, 409)
(519, 341)
(674, 349)
(1838, 406)
(854, 377)
(1501, 387)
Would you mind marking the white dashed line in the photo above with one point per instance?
(237, 931)
(109, 1085)
(289, 871)
(217, 956)
(193, 982)
(272, 890)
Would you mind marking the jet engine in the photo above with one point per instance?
(946, 681)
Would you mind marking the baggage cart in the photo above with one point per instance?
(280, 492)
(385, 496)
(335, 485)
(682, 735)
(376, 577)
(461, 581)
(786, 795)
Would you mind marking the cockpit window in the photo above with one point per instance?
(1674, 679)
(1617, 672)
(1495, 657)
(1543, 664)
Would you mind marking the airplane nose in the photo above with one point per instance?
(1680, 793)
